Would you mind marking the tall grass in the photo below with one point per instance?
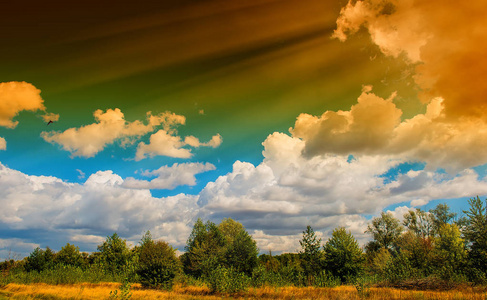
(61, 275)
(102, 291)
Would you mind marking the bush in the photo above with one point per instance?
(158, 265)
(227, 281)
(326, 279)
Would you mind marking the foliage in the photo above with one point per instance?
(418, 250)
(440, 216)
(450, 252)
(125, 291)
(69, 255)
(158, 264)
(39, 260)
(311, 252)
(475, 233)
(227, 244)
(227, 281)
(343, 256)
(399, 269)
(419, 222)
(240, 250)
(385, 230)
(114, 256)
(204, 249)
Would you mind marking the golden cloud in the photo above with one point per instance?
(109, 127)
(451, 55)
(16, 97)
(373, 127)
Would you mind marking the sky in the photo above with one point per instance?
(126, 117)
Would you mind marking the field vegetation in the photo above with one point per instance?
(431, 255)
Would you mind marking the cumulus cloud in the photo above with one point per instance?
(101, 205)
(373, 127)
(16, 97)
(282, 196)
(450, 55)
(169, 177)
(3, 144)
(109, 127)
(165, 144)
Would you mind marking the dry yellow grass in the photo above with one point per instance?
(102, 291)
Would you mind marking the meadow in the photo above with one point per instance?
(91, 291)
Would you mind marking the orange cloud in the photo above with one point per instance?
(110, 126)
(3, 144)
(451, 55)
(16, 97)
(373, 127)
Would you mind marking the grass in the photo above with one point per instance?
(88, 291)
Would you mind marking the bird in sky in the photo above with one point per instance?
(51, 121)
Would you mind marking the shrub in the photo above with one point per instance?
(227, 281)
(158, 265)
(39, 260)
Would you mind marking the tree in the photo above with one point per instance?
(242, 253)
(450, 250)
(419, 222)
(204, 249)
(227, 244)
(441, 215)
(385, 231)
(158, 264)
(69, 255)
(343, 256)
(114, 254)
(311, 252)
(475, 232)
(39, 260)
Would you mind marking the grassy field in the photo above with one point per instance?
(102, 291)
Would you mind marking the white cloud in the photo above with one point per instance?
(169, 177)
(87, 238)
(3, 144)
(282, 196)
(101, 204)
(164, 144)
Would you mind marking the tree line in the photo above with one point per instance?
(433, 244)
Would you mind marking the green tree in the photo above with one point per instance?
(450, 252)
(343, 256)
(158, 265)
(242, 253)
(440, 216)
(475, 232)
(418, 251)
(311, 252)
(385, 230)
(40, 260)
(419, 222)
(204, 249)
(69, 255)
(115, 256)
(227, 244)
